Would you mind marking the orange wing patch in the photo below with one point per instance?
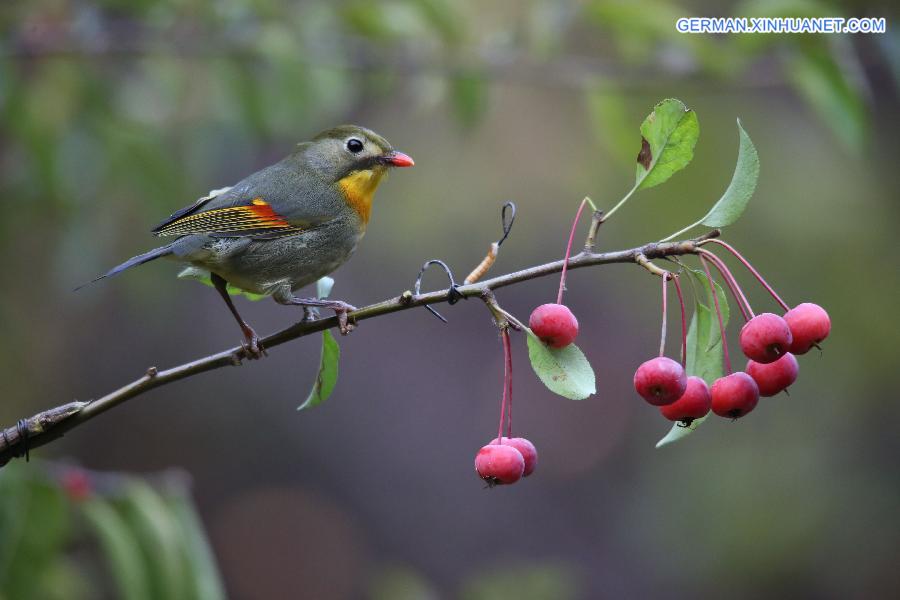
(241, 220)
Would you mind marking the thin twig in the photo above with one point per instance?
(596, 221)
(642, 260)
(51, 424)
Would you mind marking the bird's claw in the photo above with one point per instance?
(341, 309)
(253, 348)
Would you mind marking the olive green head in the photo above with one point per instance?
(345, 149)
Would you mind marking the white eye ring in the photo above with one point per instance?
(354, 145)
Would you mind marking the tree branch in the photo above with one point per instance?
(51, 424)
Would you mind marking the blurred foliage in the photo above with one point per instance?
(525, 582)
(113, 113)
(61, 525)
(92, 93)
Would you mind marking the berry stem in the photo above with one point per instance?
(562, 277)
(736, 290)
(712, 289)
(507, 353)
(750, 268)
(662, 337)
(677, 283)
(507, 384)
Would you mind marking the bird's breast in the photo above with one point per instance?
(358, 188)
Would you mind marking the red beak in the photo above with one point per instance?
(398, 159)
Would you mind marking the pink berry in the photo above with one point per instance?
(774, 377)
(554, 324)
(809, 325)
(499, 464)
(660, 381)
(525, 448)
(77, 484)
(693, 404)
(765, 338)
(734, 395)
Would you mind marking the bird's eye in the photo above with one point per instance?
(354, 145)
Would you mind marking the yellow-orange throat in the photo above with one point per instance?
(359, 188)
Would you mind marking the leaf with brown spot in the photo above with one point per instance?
(668, 137)
(645, 156)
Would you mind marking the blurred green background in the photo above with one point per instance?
(115, 113)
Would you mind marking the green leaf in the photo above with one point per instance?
(704, 349)
(565, 371)
(607, 108)
(34, 528)
(328, 372)
(445, 19)
(121, 548)
(734, 201)
(525, 581)
(202, 275)
(469, 97)
(710, 329)
(206, 580)
(159, 535)
(679, 432)
(398, 582)
(829, 87)
(668, 137)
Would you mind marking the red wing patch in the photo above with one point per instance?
(256, 217)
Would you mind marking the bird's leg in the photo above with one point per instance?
(339, 307)
(253, 347)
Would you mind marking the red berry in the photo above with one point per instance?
(734, 395)
(498, 464)
(554, 324)
(525, 448)
(77, 484)
(693, 404)
(765, 338)
(809, 325)
(660, 381)
(774, 377)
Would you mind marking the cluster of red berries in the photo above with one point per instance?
(770, 342)
(506, 459)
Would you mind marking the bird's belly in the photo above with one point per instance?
(263, 266)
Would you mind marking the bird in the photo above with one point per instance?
(284, 226)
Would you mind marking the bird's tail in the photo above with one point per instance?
(132, 262)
